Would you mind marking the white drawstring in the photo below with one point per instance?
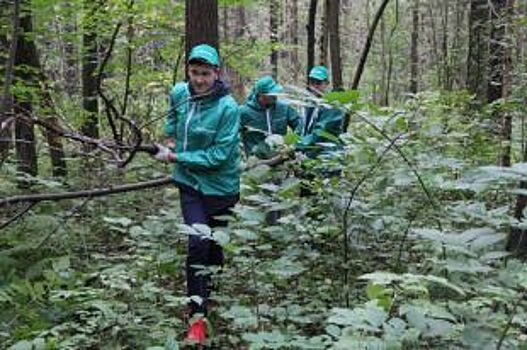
(314, 116)
(187, 123)
(303, 131)
(268, 117)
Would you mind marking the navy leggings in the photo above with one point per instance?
(198, 208)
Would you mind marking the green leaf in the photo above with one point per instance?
(373, 291)
(22, 345)
(343, 97)
(121, 221)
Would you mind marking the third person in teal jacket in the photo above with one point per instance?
(320, 126)
(262, 115)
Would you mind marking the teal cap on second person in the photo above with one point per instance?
(205, 53)
(266, 85)
(319, 73)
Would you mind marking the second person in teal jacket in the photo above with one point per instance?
(262, 115)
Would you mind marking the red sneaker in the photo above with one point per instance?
(197, 332)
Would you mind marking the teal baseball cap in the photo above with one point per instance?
(266, 85)
(318, 73)
(205, 53)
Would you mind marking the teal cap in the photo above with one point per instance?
(205, 53)
(319, 73)
(266, 85)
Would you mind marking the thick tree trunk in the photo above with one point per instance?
(201, 23)
(311, 41)
(89, 66)
(478, 49)
(26, 68)
(334, 41)
(414, 54)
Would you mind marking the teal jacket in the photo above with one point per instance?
(207, 141)
(315, 124)
(258, 122)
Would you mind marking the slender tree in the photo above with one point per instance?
(6, 106)
(497, 50)
(324, 34)
(477, 49)
(273, 25)
(365, 51)
(414, 54)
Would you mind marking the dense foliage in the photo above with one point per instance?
(401, 245)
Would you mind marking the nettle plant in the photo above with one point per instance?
(403, 251)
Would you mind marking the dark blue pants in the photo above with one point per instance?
(198, 208)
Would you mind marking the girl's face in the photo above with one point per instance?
(319, 85)
(202, 77)
(266, 101)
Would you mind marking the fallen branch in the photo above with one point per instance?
(35, 198)
(100, 192)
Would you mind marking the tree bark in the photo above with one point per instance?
(234, 77)
(201, 23)
(56, 151)
(386, 100)
(311, 41)
(445, 64)
(334, 40)
(497, 51)
(26, 69)
(90, 103)
(477, 49)
(414, 54)
(7, 99)
(273, 24)
(293, 37)
(324, 35)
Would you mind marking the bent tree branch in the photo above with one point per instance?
(35, 198)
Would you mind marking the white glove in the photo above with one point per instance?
(164, 154)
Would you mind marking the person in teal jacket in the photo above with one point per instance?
(318, 122)
(262, 115)
(203, 120)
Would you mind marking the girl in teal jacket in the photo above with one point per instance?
(263, 115)
(203, 119)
